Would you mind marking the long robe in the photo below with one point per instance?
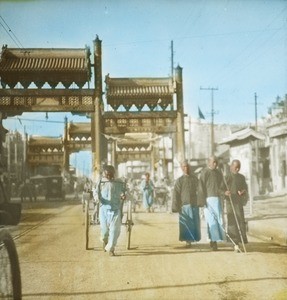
(236, 182)
(209, 194)
(185, 203)
(147, 188)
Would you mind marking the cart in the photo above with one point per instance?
(161, 197)
(54, 188)
(128, 221)
(10, 276)
(91, 213)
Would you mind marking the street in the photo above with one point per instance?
(55, 265)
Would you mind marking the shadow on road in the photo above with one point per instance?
(252, 247)
(136, 289)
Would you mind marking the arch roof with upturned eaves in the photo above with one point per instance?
(44, 65)
(139, 91)
(45, 141)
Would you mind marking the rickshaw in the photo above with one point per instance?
(54, 188)
(161, 195)
(91, 213)
(10, 213)
(51, 187)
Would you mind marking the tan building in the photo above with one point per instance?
(277, 132)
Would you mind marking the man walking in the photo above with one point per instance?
(236, 191)
(210, 183)
(110, 193)
(185, 203)
(147, 188)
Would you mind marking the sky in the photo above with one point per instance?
(238, 47)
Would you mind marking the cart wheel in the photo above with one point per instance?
(87, 223)
(10, 287)
(97, 215)
(5, 218)
(129, 224)
(134, 206)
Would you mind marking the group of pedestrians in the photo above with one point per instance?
(190, 193)
(209, 191)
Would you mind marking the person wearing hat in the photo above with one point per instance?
(110, 193)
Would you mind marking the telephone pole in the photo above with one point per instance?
(255, 99)
(212, 89)
(172, 63)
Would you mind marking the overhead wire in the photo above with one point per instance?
(35, 120)
(218, 75)
(11, 33)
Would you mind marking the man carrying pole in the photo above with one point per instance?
(236, 195)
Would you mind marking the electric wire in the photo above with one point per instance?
(273, 31)
(35, 120)
(11, 33)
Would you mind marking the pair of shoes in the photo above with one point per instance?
(236, 249)
(213, 246)
(112, 253)
(188, 244)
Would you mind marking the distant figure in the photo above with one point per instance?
(210, 183)
(27, 190)
(110, 192)
(237, 192)
(185, 203)
(87, 191)
(266, 178)
(147, 188)
(77, 190)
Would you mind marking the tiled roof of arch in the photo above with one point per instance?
(139, 92)
(79, 127)
(40, 65)
(138, 87)
(45, 140)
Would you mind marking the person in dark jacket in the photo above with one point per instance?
(236, 191)
(185, 203)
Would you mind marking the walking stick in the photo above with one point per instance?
(233, 210)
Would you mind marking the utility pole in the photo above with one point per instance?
(172, 53)
(255, 98)
(256, 144)
(212, 89)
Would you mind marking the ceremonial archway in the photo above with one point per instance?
(135, 105)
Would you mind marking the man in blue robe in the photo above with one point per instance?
(185, 203)
(209, 195)
(147, 188)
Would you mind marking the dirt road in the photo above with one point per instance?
(55, 265)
